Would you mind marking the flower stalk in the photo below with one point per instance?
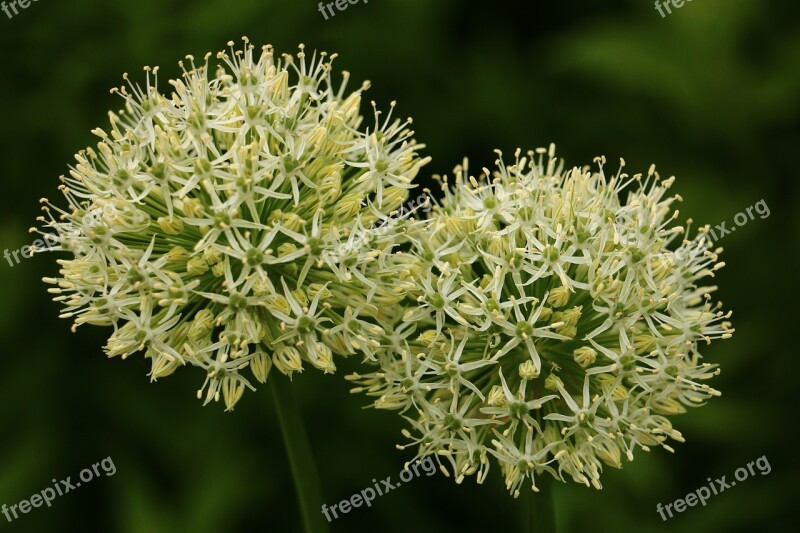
(541, 508)
(301, 458)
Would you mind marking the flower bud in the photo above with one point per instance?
(585, 356)
(558, 297)
(287, 360)
(196, 266)
(260, 364)
(171, 226)
(527, 370)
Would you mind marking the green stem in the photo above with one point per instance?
(542, 509)
(301, 460)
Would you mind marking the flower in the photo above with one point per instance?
(202, 226)
(552, 325)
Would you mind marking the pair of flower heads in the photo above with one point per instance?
(543, 318)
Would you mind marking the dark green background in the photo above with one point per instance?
(710, 93)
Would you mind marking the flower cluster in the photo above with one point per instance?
(201, 226)
(554, 324)
(550, 319)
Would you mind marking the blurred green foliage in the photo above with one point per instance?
(710, 93)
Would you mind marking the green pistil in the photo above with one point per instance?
(518, 410)
(628, 363)
(551, 253)
(290, 164)
(135, 276)
(122, 179)
(254, 257)
(253, 112)
(306, 325)
(437, 301)
(202, 167)
(159, 171)
(176, 293)
(524, 329)
(515, 259)
(492, 305)
(315, 246)
(237, 302)
(222, 220)
(197, 121)
(452, 423)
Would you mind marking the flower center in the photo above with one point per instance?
(254, 257)
(306, 325)
(551, 253)
(237, 302)
(524, 329)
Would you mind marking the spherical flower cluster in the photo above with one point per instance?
(203, 226)
(552, 325)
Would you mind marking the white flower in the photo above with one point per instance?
(568, 390)
(201, 226)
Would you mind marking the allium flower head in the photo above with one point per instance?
(555, 323)
(209, 225)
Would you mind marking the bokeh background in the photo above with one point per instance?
(710, 93)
